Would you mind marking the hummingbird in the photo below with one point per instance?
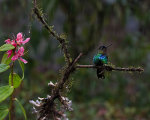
(100, 59)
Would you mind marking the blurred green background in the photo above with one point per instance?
(87, 23)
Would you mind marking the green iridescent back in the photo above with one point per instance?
(100, 58)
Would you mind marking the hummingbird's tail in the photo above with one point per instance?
(100, 73)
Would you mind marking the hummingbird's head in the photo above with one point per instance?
(103, 49)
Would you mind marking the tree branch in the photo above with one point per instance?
(46, 107)
(65, 76)
(61, 38)
(111, 68)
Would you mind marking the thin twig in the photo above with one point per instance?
(61, 39)
(79, 56)
(111, 68)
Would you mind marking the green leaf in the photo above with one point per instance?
(22, 108)
(6, 47)
(5, 59)
(5, 91)
(3, 112)
(16, 80)
(3, 67)
(22, 67)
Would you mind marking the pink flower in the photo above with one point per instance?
(13, 43)
(27, 40)
(19, 36)
(15, 57)
(18, 55)
(9, 52)
(19, 49)
(8, 41)
(19, 39)
(23, 60)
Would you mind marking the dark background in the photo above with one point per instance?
(88, 24)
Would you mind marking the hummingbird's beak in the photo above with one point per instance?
(108, 45)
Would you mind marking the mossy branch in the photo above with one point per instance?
(111, 68)
(61, 38)
(64, 78)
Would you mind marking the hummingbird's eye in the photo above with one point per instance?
(102, 47)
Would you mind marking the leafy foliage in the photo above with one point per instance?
(22, 108)
(4, 67)
(22, 68)
(6, 47)
(3, 112)
(5, 92)
(16, 80)
(5, 59)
